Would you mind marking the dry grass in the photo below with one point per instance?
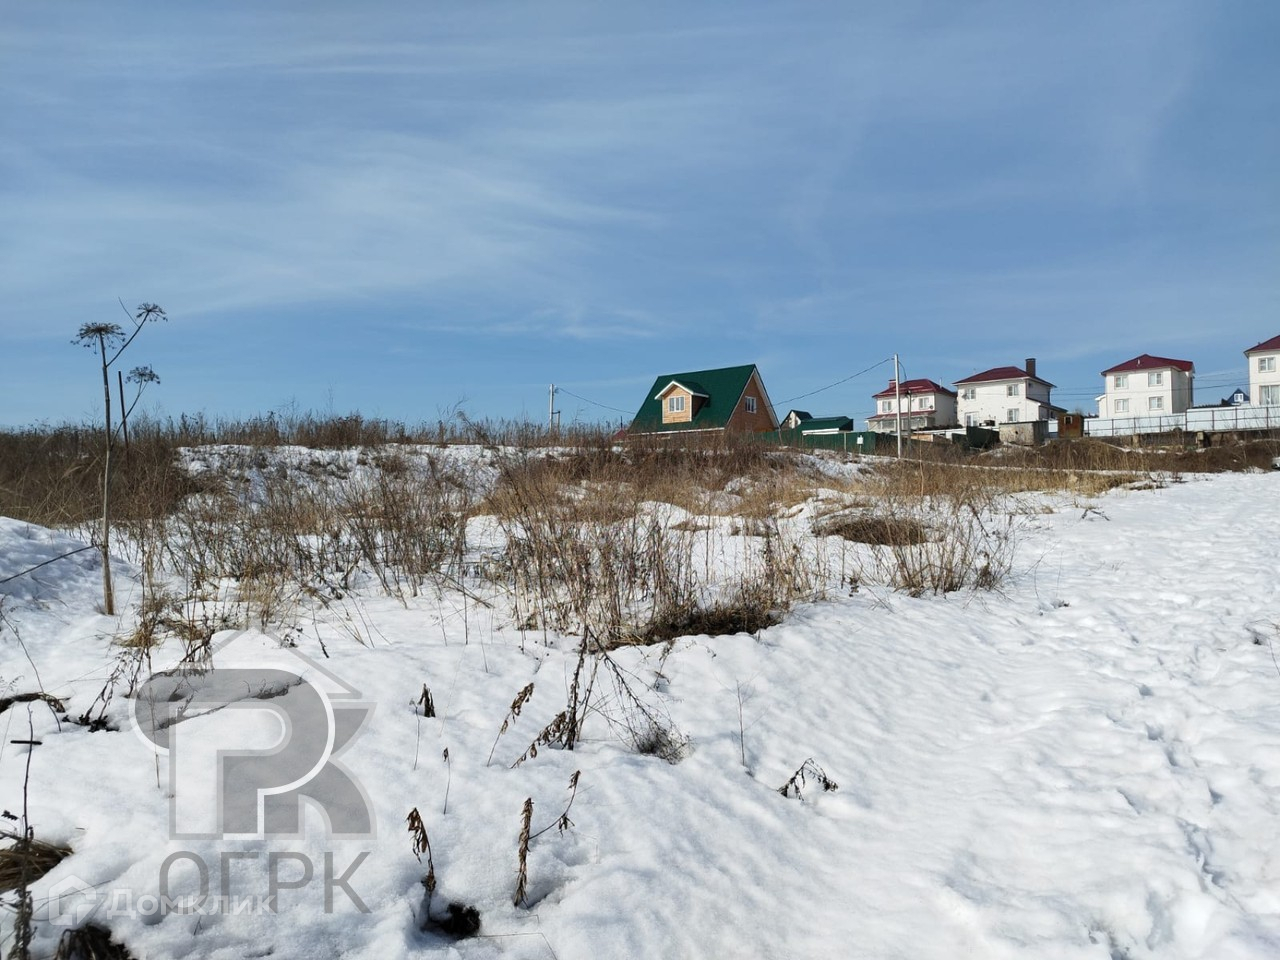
(1227, 454)
(594, 547)
(53, 476)
(90, 942)
(878, 530)
(26, 860)
(933, 527)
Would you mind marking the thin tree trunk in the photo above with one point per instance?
(108, 597)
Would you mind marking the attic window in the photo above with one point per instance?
(675, 404)
(751, 404)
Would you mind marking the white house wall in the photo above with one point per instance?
(1134, 400)
(991, 401)
(927, 409)
(1268, 380)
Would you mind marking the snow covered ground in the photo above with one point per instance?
(1083, 764)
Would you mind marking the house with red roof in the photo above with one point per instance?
(924, 404)
(1004, 395)
(1264, 372)
(1147, 386)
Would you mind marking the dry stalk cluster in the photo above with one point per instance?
(597, 545)
(930, 528)
(799, 781)
(303, 526)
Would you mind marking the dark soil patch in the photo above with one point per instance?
(880, 531)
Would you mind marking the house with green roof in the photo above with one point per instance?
(721, 400)
(805, 422)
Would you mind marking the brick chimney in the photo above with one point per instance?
(1031, 366)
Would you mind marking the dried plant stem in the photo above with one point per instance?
(562, 821)
(448, 782)
(522, 876)
(421, 845)
(517, 705)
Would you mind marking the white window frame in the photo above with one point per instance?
(675, 403)
(1013, 390)
(1155, 403)
(1121, 406)
(1155, 378)
(970, 419)
(1266, 364)
(1121, 381)
(751, 404)
(1011, 415)
(1269, 395)
(970, 393)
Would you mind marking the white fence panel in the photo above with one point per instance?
(1128, 426)
(1208, 419)
(1245, 417)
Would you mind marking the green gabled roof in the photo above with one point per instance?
(825, 423)
(723, 387)
(693, 386)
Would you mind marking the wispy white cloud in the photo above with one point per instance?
(730, 179)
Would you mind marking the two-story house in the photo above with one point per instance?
(1004, 395)
(726, 399)
(1264, 372)
(924, 404)
(1147, 386)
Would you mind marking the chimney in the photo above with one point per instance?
(1031, 366)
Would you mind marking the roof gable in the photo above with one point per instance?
(722, 387)
(690, 386)
(996, 374)
(1272, 344)
(910, 387)
(1147, 362)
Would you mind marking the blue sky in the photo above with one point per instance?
(394, 208)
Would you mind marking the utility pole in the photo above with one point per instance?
(551, 410)
(897, 401)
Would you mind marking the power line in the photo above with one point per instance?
(837, 383)
(593, 402)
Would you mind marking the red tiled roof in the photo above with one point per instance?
(1272, 344)
(1147, 362)
(1002, 373)
(915, 386)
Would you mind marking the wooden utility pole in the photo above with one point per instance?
(897, 401)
